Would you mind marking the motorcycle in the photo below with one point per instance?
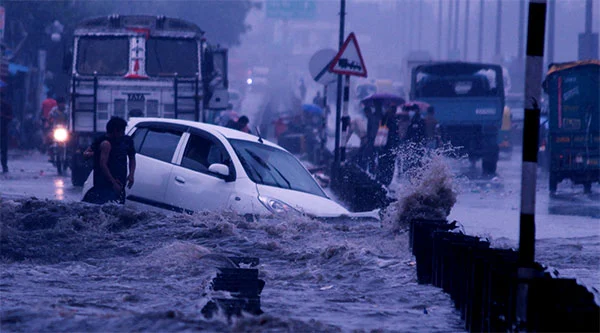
(60, 137)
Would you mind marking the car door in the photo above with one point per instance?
(156, 146)
(191, 186)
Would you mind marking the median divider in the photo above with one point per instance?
(482, 281)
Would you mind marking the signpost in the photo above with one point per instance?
(348, 61)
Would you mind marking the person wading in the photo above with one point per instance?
(111, 153)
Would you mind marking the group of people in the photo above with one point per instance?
(386, 131)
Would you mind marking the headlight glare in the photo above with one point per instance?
(60, 134)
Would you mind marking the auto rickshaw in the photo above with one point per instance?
(573, 135)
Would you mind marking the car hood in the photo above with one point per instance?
(310, 204)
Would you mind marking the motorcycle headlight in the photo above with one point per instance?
(276, 206)
(61, 134)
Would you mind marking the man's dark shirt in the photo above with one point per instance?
(121, 148)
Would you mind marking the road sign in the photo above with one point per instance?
(349, 61)
(318, 66)
(291, 9)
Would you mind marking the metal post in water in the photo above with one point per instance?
(536, 28)
(480, 46)
(338, 107)
(345, 117)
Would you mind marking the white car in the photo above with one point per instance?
(189, 166)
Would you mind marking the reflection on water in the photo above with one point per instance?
(59, 188)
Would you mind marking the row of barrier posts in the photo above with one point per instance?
(243, 285)
(482, 281)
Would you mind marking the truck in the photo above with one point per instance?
(139, 66)
(468, 99)
(573, 131)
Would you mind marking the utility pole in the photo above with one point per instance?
(440, 23)
(466, 45)
(522, 28)
(449, 32)
(420, 24)
(338, 106)
(499, 31)
(534, 63)
(588, 41)
(456, 24)
(551, 23)
(480, 46)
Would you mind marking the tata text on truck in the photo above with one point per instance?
(574, 123)
(469, 100)
(140, 66)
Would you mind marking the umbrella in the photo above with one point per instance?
(312, 108)
(421, 105)
(384, 98)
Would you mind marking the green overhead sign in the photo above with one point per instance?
(291, 9)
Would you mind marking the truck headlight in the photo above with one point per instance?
(276, 206)
(61, 134)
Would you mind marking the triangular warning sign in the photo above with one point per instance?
(349, 60)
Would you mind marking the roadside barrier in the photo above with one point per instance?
(244, 286)
(482, 282)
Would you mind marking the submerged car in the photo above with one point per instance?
(189, 166)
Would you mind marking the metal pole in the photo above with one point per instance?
(498, 30)
(521, 28)
(338, 106)
(456, 17)
(536, 27)
(439, 46)
(480, 47)
(551, 20)
(588, 17)
(420, 24)
(466, 45)
(411, 24)
(345, 117)
(449, 40)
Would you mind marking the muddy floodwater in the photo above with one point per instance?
(79, 267)
(69, 266)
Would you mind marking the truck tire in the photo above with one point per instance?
(553, 183)
(489, 163)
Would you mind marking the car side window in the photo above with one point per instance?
(160, 144)
(138, 137)
(201, 152)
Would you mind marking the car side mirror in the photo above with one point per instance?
(219, 169)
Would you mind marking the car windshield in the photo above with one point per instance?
(270, 166)
(167, 56)
(103, 55)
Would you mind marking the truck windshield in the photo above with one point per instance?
(104, 55)
(456, 82)
(167, 56)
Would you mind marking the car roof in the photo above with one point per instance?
(224, 131)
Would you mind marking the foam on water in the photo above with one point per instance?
(112, 268)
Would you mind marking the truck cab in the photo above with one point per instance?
(140, 66)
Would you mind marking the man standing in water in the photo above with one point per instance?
(111, 153)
